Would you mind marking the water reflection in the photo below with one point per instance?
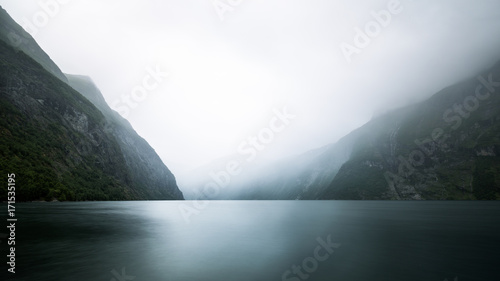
(258, 240)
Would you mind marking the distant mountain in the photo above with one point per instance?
(63, 143)
(302, 177)
(447, 147)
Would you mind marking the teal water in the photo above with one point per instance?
(257, 240)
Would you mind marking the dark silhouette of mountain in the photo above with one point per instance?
(145, 165)
(63, 143)
(447, 147)
(14, 35)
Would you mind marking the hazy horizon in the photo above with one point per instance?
(232, 72)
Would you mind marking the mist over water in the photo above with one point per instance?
(228, 72)
(257, 104)
(258, 240)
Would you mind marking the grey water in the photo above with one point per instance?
(257, 240)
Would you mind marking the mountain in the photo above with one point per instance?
(146, 167)
(15, 36)
(447, 147)
(63, 143)
(301, 177)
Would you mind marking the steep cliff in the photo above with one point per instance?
(15, 36)
(144, 164)
(62, 145)
(447, 147)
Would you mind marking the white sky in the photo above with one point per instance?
(227, 76)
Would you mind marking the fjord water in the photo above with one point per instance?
(258, 240)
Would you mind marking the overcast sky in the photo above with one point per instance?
(232, 63)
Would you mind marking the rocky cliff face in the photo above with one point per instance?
(59, 144)
(15, 36)
(144, 164)
(444, 148)
(447, 147)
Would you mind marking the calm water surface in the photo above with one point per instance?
(257, 240)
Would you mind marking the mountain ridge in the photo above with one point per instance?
(451, 172)
(14, 35)
(63, 144)
(370, 161)
(136, 149)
